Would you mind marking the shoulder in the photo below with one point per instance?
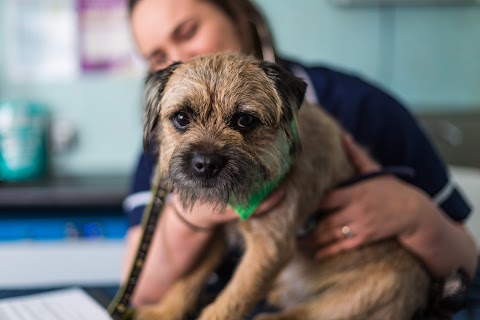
(364, 109)
(386, 128)
(339, 91)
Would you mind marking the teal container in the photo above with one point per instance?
(24, 140)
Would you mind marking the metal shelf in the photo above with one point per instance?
(93, 191)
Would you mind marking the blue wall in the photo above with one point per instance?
(426, 56)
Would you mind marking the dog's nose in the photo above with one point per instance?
(207, 165)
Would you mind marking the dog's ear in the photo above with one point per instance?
(290, 88)
(292, 92)
(154, 86)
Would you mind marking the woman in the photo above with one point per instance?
(423, 212)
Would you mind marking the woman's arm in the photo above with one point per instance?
(176, 245)
(443, 244)
(174, 249)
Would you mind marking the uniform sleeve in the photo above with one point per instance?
(390, 133)
(139, 195)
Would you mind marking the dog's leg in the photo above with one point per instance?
(333, 307)
(182, 297)
(269, 245)
(308, 312)
(377, 295)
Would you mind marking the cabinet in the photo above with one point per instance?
(62, 231)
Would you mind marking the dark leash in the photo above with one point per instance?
(401, 171)
(119, 308)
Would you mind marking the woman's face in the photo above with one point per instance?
(175, 30)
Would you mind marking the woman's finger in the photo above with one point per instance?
(270, 202)
(347, 243)
(328, 228)
(335, 200)
(323, 236)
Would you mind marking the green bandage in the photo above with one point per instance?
(257, 197)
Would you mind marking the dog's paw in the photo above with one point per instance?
(159, 312)
(265, 316)
(207, 314)
(276, 316)
(211, 313)
(146, 313)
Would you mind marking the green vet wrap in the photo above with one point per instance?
(257, 197)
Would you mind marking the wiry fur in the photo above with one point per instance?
(380, 281)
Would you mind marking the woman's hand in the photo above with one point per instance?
(368, 211)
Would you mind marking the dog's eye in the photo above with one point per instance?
(181, 120)
(243, 121)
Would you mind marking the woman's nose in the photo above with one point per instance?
(181, 54)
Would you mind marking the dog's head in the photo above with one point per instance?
(225, 125)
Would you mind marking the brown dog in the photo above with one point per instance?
(227, 126)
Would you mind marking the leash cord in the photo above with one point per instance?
(402, 171)
(119, 307)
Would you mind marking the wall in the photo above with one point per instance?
(105, 108)
(427, 56)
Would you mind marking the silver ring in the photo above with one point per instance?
(347, 232)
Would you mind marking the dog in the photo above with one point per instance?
(228, 125)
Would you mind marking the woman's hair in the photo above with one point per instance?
(252, 26)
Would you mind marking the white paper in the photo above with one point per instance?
(68, 304)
